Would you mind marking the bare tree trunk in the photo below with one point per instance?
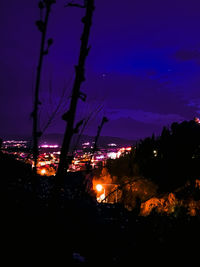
(42, 26)
(69, 116)
(104, 120)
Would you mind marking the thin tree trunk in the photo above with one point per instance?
(42, 27)
(76, 94)
(104, 120)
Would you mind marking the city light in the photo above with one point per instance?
(100, 157)
(48, 158)
(49, 146)
(197, 120)
(86, 144)
(112, 144)
(112, 155)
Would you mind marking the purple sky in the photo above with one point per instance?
(143, 68)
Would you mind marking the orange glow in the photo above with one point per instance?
(99, 187)
(146, 191)
(43, 171)
(47, 171)
(197, 185)
(101, 197)
(100, 182)
(166, 204)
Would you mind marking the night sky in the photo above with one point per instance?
(143, 70)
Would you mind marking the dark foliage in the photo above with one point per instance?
(123, 166)
(173, 158)
(170, 160)
(77, 230)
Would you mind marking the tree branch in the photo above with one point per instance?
(74, 5)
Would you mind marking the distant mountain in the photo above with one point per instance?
(102, 142)
(56, 139)
(16, 137)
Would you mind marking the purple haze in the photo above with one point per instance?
(142, 71)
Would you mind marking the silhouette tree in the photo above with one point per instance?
(170, 160)
(86, 120)
(69, 116)
(57, 109)
(104, 120)
(42, 27)
(122, 166)
(173, 158)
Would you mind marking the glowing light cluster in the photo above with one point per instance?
(197, 120)
(112, 144)
(49, 146)
(43, 171)
(14, 142)
(86, 144)
(100, 157)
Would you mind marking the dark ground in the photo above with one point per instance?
(38, 230)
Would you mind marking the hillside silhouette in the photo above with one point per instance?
(73, 228)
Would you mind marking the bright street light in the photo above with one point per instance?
(99, 187)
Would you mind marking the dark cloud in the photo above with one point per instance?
(130, 129)
(187, 55)
(139, 92)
